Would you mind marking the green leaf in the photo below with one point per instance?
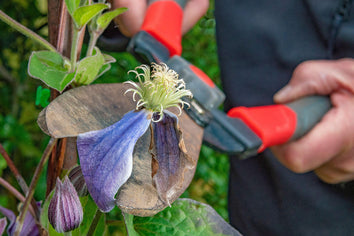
(108, 58)
(106, 66)
(50, 67)
(90, 209)
(89, 67)
(42, 96)
(72, 5)
(184, 217)
(104, 20)
(84, 14)
(104, 69)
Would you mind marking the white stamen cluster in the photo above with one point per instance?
(159, 89)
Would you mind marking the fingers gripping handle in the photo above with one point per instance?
(309, 111)
(277, 124)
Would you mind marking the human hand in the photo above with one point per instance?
(328, 148)
(130, 22)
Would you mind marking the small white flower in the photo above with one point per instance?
(158, 89)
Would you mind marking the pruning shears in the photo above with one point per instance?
(242, 131)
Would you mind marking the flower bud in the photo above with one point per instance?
(65, 210)
(77, 179)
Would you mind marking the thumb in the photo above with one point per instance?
(310, 77)
(291, 92)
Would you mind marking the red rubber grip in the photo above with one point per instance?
(201, 75)
(163, 20)
(274, 124)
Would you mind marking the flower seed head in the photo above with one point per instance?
(158, 89)
(65, 210)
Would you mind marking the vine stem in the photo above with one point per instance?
(16, 193)
(25, 31)
(74, 47)
(14, 170)
(19, 178)
(92, 42)
(33, 184)
(94, 222)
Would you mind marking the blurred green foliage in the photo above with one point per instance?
(19, 133)
(23, 139)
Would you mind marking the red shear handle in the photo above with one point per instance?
(277, 124)
(163, 20)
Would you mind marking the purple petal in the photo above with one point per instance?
(12, 218)
(170, 157)
(106, 156)
(29, 226)
(3, 224)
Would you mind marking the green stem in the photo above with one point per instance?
(18, 177)
(33, 185)
(25, 31)
(74, 46)
(14, 170)
(93, 40)
(16, 193)
(94, 222)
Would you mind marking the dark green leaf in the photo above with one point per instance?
(184, 217)
(3, 164)
(89, 67)
(104, 20)
(84, 14)
(50, 67)
(90, 209)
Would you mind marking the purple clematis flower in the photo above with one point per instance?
(29, 226)
(106, 156)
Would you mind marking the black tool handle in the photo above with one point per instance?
(309, 111)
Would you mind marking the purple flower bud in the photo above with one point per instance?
(77, 179)
(65, 210)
